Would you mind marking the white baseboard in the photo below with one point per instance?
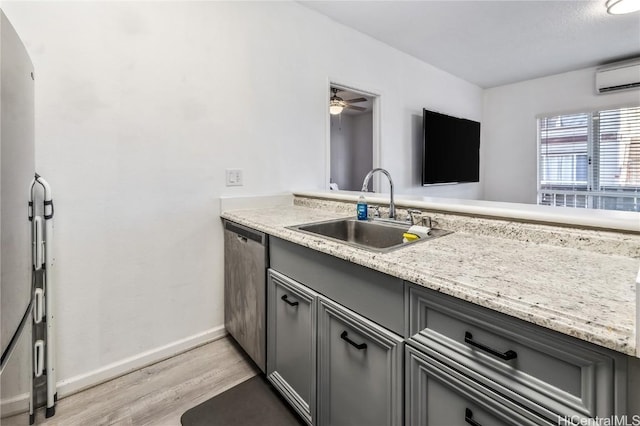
(20, 404)
(80, 382)
(14, 405)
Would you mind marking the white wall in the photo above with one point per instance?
(509, 140)
(140, 107)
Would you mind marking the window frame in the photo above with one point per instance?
(590, 195)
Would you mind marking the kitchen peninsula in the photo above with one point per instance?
(541, 275)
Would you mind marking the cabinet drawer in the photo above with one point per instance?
(438, 395)
(291, 350)
(548, 372)
(375, 295)
(359, 370)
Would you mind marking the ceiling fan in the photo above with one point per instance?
(337, 104)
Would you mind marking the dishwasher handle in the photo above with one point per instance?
(245, 233)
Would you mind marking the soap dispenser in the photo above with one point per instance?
(362, 207)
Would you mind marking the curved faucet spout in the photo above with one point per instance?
(365, 184)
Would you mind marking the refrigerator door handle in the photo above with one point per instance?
(38, 358)
(38, 243)
(38, 311)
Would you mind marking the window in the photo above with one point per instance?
(590, 160)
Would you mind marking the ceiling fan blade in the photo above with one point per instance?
(353, 101)
(357, 108)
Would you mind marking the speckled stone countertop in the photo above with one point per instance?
(588, 291)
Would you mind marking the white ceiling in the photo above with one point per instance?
(492, 43)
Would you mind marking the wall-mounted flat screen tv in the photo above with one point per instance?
(451, 149)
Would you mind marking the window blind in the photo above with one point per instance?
(590, 160)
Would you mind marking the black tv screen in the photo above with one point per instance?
(451, 149)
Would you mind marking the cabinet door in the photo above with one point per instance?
(439, 395)
(359, 370)
(291, 342)
(543, 370)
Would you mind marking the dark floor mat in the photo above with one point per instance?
(254, 402)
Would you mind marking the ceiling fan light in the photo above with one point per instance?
(619, 7)
(335, 109)
(336, 106)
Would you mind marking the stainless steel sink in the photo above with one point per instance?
(372, 235)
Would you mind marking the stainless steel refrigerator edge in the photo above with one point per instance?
(245, 290)
(17, 157)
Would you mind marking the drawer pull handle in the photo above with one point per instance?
(345, 336)
(285, 298)
(508, 355)
(468, 417)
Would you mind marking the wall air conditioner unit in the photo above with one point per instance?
(618, 76)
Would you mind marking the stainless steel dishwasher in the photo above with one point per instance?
(245, 290)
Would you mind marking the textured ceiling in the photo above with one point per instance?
(492, 43)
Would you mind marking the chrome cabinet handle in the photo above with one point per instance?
(468, 417)
(286, 300)
(508, 355)
(345, 336)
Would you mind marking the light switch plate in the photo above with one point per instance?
(234, 177)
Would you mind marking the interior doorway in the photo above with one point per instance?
(353, 135)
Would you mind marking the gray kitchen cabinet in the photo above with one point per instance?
(372, 294)
(550, 374)
(437, 394)
(359, 369)
(336, 353)
(351, 317)
(291, 342)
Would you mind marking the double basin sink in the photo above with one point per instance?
(375, 235)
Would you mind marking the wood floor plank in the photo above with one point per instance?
(159, 394)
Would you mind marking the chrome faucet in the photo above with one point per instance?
(365, 184)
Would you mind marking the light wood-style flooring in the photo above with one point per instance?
(158, 394)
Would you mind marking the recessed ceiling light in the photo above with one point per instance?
(619, 7)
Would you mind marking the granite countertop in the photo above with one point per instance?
(595, 218)
(582, 293)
